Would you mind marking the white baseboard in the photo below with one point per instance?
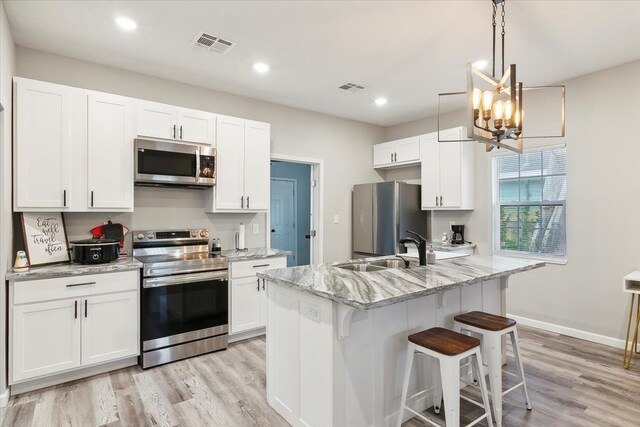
(564, 330)
(247, 335)
(4, 398)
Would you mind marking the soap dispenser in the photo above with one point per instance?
(431, 256)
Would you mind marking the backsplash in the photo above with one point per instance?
(166, 208)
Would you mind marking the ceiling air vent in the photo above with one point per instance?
(351, 87)
(212, 43)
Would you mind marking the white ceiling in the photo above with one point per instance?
(404, 51)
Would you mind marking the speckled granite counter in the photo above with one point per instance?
(254, 253)
(446, 247)
(367, 290)
(64, 270)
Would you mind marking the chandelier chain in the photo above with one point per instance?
(495, 9)
(503, 2)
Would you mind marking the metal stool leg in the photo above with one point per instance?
(405, 383)
(437, 385)
(515, 343)
(483, 387)
(493, 356)
(450, 374)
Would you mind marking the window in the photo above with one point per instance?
(530, 206)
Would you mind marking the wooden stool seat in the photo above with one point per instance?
(487, 321)
(444, 341)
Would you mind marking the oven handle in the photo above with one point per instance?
(183, 279)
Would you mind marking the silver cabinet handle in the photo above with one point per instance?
(64, 198)
(91, 198)
(247, 202)
(263, 280)
(75, 315)
(81, 284)
(174, 131)
(395, 157)
(440, 200)
(392, 157)
(436, 200)
(261, 265)
(242, 202)
(85, 308)
(180, 131)
(258, 284)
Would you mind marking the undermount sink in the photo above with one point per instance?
(388, 263)
(361, 266)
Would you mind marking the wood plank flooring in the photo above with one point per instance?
(571, 383)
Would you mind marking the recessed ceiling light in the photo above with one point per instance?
(261, 67)
(380, 101)
(481, 64)
(126, 23)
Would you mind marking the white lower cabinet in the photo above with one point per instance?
(73, 325)
(249, 294)
(46, 338)
(109, 327)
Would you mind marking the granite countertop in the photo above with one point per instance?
(367, 290)
(65, 270)
(439, 246)
(254, 253)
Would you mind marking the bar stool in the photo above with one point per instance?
(449, 348)
(491, 329)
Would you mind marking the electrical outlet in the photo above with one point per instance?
(256, 228)
(336, 219)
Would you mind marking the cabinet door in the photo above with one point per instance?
(257, 165)
(110, 152)
(156, 120)
(450, 174)
(45, 338)
(245, 304)
(407, 150)
(109, 327)
(42, 145)
(196, 126)
(229, 190)
(430, 170)
(383, 154)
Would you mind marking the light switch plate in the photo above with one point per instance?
(336, 219)
(256, 229)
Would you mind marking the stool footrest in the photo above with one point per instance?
(478, 404)
(422, 417)
(520, 384)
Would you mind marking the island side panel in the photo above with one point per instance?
(299, 356)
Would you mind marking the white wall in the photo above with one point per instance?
(603, 221)
(7, 63)
(344, 145)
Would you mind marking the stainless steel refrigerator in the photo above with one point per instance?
(381, 214)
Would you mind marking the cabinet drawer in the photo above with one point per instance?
(250, 268)
(74, 286)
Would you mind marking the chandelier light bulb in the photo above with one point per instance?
(508, 113)
(487, 100)
(477, 97)
(498, 110)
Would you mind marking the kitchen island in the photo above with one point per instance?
(337, 338)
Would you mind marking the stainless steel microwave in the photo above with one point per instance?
(168, 163)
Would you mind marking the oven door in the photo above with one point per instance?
(173, 163)
(183, 308)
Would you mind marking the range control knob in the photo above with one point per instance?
(204, 233)
(150, 236)
(140, 236)
(194, 233)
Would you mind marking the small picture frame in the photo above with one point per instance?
(45, 237)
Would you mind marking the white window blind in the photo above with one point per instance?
(530, 211)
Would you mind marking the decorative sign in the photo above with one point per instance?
(45, 238)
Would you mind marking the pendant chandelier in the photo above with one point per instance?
(495, 114)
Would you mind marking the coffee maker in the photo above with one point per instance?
(458, 234)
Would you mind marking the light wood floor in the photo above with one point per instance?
(571, 383)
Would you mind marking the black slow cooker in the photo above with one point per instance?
(94, 251)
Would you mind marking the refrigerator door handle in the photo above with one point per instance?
(374, 216)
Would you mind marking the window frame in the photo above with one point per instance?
(495, 211)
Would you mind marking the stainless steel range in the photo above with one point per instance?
(184, 296)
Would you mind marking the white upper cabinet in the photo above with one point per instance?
(244, 171)
(447, 170)
(157, 120)
(109, 151)
(257, 164)
(42, 146)
(394, 154)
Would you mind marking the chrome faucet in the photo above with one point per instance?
(421, 244)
